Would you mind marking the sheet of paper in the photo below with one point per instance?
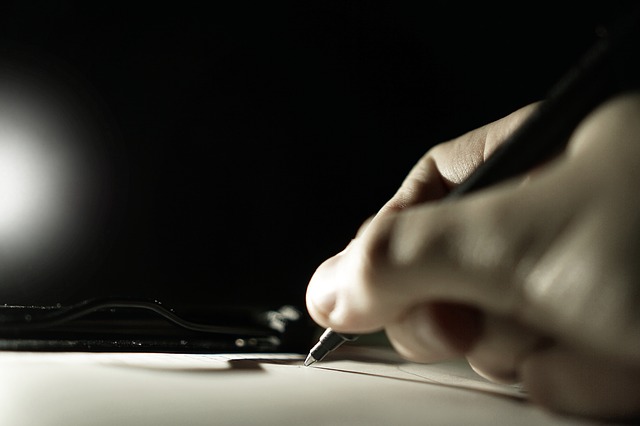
(357, 386)
(384, 363)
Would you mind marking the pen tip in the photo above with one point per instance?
(310, 360)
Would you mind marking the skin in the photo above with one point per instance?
(535, 280)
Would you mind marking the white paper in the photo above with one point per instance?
(361, 387)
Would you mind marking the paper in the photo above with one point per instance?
(383, 363)
(356, 386)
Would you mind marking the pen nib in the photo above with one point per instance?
(310, 360)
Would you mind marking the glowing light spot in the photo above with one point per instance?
(25, 180)
(51, 203)
(31, 176)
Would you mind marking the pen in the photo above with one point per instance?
(599, 74)
(328, 342)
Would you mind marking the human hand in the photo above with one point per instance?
(535, 280)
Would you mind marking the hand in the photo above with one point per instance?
(535, 280)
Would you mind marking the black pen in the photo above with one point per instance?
(328, 342)
(608, 67)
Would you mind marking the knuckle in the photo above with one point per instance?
(417, 237)
(589, 292)
(494, 248)
(610, 305)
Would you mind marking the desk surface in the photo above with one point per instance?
(358, 386)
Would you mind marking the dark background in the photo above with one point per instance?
(249, 140)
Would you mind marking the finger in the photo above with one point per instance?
(575, 383)
(330, 288)
(494, 346)
(498, 352)
(435, 331)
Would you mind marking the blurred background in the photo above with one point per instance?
(215, 153)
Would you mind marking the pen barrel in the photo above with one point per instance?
(328, 342)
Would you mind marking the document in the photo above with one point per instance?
(353, 386)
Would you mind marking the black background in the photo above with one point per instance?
(253, 138)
